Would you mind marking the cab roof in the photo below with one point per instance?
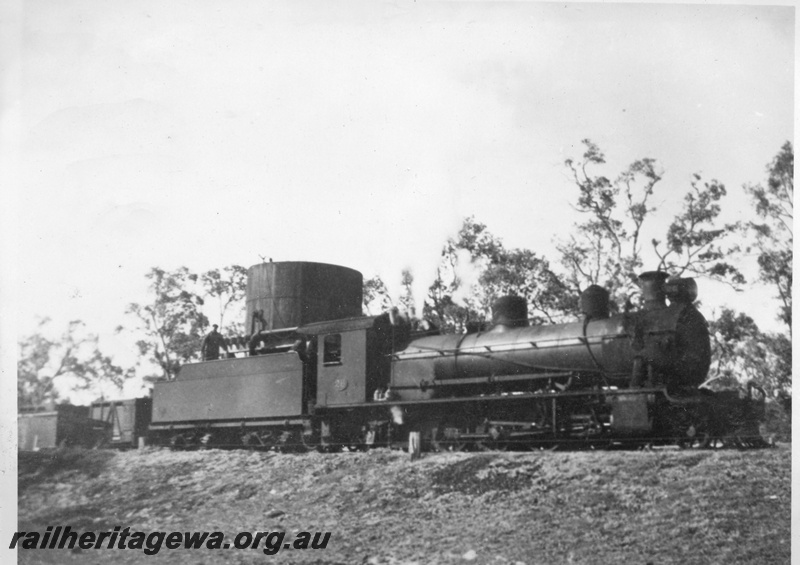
(344, 325)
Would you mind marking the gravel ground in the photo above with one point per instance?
(382, 508)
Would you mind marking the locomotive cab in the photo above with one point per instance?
(352, 360)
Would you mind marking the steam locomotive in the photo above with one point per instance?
(314, 372)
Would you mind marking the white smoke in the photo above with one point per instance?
(426, 268)
(468, 273)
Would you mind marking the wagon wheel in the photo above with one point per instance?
(455, 446)
(252, 440)
(206, 440)
(355, 441)
(694, 438)
(309, 442)
(705, 441)
(704, 437)
(442, 442)
(452, 445)
(290, 441)
(497, 440)
(485, 445)
(297, 442)
(179, 441)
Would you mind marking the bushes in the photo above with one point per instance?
(778, 421)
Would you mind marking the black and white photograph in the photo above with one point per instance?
(396, 282)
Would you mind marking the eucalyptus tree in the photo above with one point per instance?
(608, 248)
(477, 268)
(227, 287)
(76, 354)
(171, 323)
(774, 204)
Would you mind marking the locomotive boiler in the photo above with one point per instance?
(661, 345)
(314, 372)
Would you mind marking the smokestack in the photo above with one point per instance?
(652, 285)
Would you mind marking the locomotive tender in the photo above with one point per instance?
(315, 372)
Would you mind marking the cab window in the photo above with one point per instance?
(332, 352)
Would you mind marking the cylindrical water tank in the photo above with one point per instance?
(294, 293)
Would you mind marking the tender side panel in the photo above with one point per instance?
(269, 386)
(274, 363)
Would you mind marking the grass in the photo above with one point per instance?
(695, 507)
(35, 467)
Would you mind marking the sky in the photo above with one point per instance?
(361, 133)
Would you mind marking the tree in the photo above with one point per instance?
(774, 234)
(175, 321)
(377, 298)
(448, 304)
(228, 287)
(741, 352)
(693, 241)
(172, 323)
(375, 295)
(406, 302)
(75, 354)
(606, 249)
(477, 268)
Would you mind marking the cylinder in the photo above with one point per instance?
(295, 293)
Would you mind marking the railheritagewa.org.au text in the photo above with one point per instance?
(64, 537)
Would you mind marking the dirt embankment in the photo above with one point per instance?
(381, 508)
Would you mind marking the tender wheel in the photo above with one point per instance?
(447, 439)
